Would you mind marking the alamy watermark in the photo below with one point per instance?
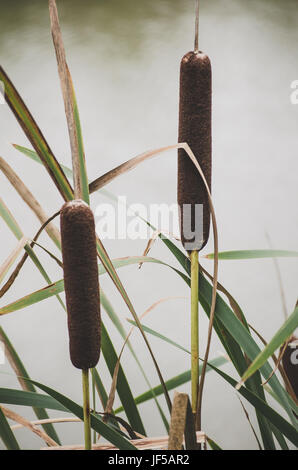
(294, 353)
(294, 94)
(138, 221)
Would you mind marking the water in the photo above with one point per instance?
(124, 59)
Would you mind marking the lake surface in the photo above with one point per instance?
(124, 58)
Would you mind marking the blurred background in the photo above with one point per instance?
(124, 58)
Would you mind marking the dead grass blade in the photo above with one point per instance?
(148, 443)
(24, 422)
(30, 200)
(12, 257)
(153, 239)
(250, 423)
(277, 362)
(125, 167)
(77, 152)
(40, 422)
(18, 268)
(51, 255)
(178, 420)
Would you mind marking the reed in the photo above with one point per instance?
(195, 129)
(81, 248)
(82, 293)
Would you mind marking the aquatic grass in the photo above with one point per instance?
(226, 318)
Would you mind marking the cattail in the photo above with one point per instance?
(81, 283)
(290, 364)
(195, 130)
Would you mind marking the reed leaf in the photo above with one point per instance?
(286, 428)
(229, 323)
(160, 336)
(8, 263)
(253, 254)
(58, 286)
(27, 424)
(16, 230)
(122, 387)
(30, 200)
(81, 190)
(278, 339)
(6, 434)
(105, 430)
(35, 136)
(33, 155)
(22, 375)
(10, 396)
(172, 383)
(56, 401)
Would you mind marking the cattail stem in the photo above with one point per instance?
(194, 260)
(93, 402)
(86, 409)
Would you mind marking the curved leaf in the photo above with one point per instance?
(253, 254)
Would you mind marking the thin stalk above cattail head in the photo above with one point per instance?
(81, 283)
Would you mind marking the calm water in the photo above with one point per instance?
(124, 58)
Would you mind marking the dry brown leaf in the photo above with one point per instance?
(19, 266)
(152, 240)
(68, 98)
(24, 422)
(126, 166)
(12, 257)
(148, 443)
(250, 423)
(40, 422)
(30, 200)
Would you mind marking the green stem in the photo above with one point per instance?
(86, 408)
(93, 402)
(194, 259)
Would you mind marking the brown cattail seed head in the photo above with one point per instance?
(195, 130)
(290, 363)
(81, 283)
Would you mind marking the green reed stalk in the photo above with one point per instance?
(194, 259)
(86, 409)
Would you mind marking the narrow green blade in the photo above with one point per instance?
(278, 339)
(6, 434)
(254, 254)
(35, 136)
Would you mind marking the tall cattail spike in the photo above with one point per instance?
(81, 283)
(195, 129)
